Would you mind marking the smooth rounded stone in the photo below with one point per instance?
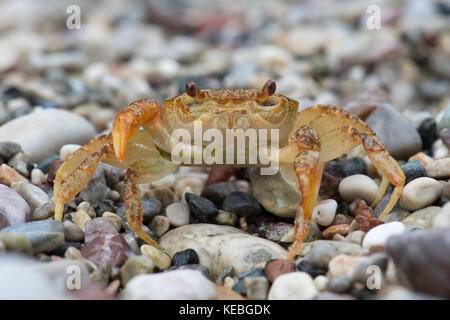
(256, 288)
(193, 185)
(412, 170)
(274, 194)
(356, 237)
(444, 122)
(150, 209)
(276, 231)
(336, 231)
(37, 176)
(159, 225)
(397, 134)
(9, 149)
(222, 247)
(350, 167)
(427, 132)
(442, 218)
(314, 234)
(358, 186)
(420, 193)
(439, 168)
(53, 126)
(9, 175)
(242, 204)
(40, 203)
(321, 282)
(45, 235)
(80, 218)
(423, 250)
(293, 286)
(275, 268)
(343, 264)
(135, 266)
(397, 214)
(174, 285)
(14, 242)
(167, 181)
(13, 208)
(104, 244)
(188, 256)
(202, 209)
(324, 212)
(379, 235)
(226, 218)
(319, 252)
(114, 219)
(66, 150)
(340, 284)
(72, 232)
(217, 192)
(421, 219)
(178, 214)
(160, 259)
(164, 195)
(132, 242)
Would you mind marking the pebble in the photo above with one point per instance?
(217, 192)
(442, 218)
(40, 203)
(356, 237)
(164, 195)
(350, 167)
(242, 204)
(274, 194)
(293, 286)
(53, 126)
(379, 235)
(72, 232)
(159, 225)
(256, 288)
(221, 247)
(160, 259)
(427, 132)
(319, 252)
(277, 231)
(114, 219)
(324, 212)
(80, 218)
(342, 265)
(66, 150)
(358, 186)
(135, 266)
(202, 209)
(439, 168)
(45, 235)
(364, 217)
(15, 242)
(150, 209)
(104, 244)
(37, 176)
(421, 219)
(338, 229)
(178, 214)
(8, 175)
(193, 185)
(425, 251)
(420, 193)
(132, 243)
(188, 256)
(9, 149)
(413, 169)
(303, 265)
(342, 219)
(204, 270)
(276, 268)
(226, 218)
(397, 214)
(13, 208)
(174, 285)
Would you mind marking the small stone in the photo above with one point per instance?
(343, 169)
(358, 186)
(159, 225)
(276, 231)
(45, 164)
(342, 219)
(193, 185)
(217, 192)
(342, 265)
(159, 258)
(150, 207)
(339, 284)
(178, 214)
(324, 212)
(242, 204)
(132, 243)
(37, 176)
(420, 193)
(319, 252)
(365, 217)
(228, 282)
(202, 209)
(174, 285)
(329, 186)
(442, 218)
(45, 235)
(86, 206)
(341, 229)
(421, 219)
(72, 232)
(256, 288)
(427, 131)
(356, 237)
(54, 166)
(114, 219)
(80, 218)
(397, 214)
(226, 218)
(188, 256)
(321, 282)
(379, 235)
(163, 195)
(9, 149)
(413, 169)
(439, 168)
(220, 174)
(135, 266)
(423, 159)
(13, 208)
(276, 268)
(66, 150)
(293, 286)
(8, 175)
(15, 242)
(40, 204)
(166, 182)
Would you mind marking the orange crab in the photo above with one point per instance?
(140, 143)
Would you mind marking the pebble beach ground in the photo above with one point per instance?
(225, 232)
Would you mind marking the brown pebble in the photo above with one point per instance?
(220, 174)
(365, 217)
(342, 219)
(341, 229)
(52, 172)
(8, 175)
(329, 187)
(276, 268)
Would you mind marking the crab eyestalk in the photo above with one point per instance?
(193, 91)
(267, 90)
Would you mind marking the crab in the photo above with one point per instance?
(140, 142)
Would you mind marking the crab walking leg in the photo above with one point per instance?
(133, 208)
(341, 140)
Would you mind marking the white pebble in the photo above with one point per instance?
(159, 258)
(66, 150)
(321, 282)
(358, 186)
(442, 219)
(173, 285)
(178, 214)
(420, 193)
(159, 225)
(293, 286)
(37, 176)
(379, 235)
(324, 212)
